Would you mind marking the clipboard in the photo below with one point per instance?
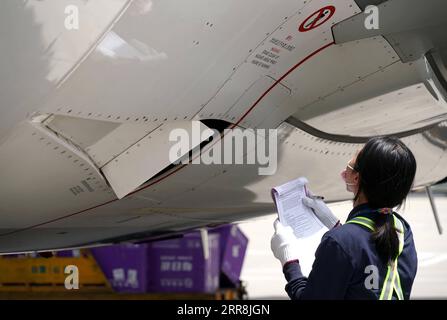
(291, 210)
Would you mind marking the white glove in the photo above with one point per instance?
(284, 243)
(322, 211)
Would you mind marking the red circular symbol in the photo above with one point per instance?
(317, 19)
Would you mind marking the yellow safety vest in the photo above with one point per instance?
(392, 279)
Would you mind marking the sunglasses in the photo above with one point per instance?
(348, 165)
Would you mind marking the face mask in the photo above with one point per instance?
(343, 176)
(349, 186)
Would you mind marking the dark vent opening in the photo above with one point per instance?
(217, 124)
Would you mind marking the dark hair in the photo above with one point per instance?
(386, 168)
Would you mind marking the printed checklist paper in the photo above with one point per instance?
(291, 210)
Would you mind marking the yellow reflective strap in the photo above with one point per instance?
(392, 278)
(366, 219)
(392, 281)
(400, 233)
(388, 284)
(385, 283)
(398, 288)
(361, 223)
(364, 222)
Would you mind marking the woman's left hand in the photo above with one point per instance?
(284, 244)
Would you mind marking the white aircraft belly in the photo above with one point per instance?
(192, 49)
(43, 177)
(39, 52)
(164, 62)
(198, 195)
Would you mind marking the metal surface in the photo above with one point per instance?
(412, 27)
(153, 64)
(150, 155)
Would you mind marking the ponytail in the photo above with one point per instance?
(385, 238)
(386, 168)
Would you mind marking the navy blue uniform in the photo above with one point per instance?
(338, 271)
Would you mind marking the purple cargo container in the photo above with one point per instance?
(178, 265)
(233, 245)
(125, 266)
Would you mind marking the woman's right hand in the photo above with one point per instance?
(322, 211)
